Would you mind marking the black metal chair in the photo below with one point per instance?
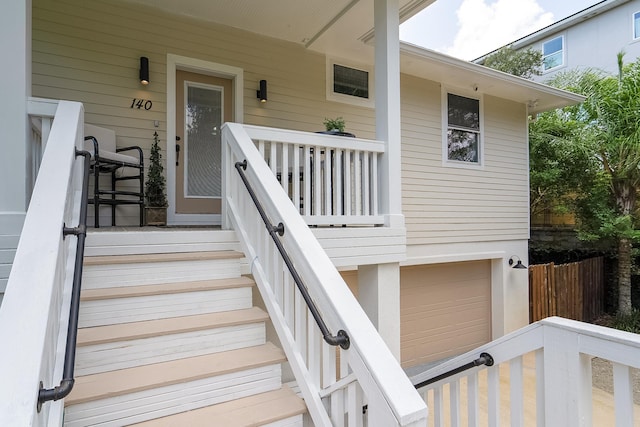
(107, 159)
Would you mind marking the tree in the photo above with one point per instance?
(523, 63)
(606, 128)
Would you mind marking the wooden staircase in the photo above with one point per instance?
(173, 338)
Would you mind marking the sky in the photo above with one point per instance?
(468, 29)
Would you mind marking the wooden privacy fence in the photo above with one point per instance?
(574, 291)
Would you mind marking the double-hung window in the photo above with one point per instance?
(553, 53)
(636, 25)
(463, 129)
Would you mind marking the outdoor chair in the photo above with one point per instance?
(106, 159)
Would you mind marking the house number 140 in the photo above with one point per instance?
(141, 103)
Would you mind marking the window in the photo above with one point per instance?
(636, 25)
(552, 53)
(350, 83)
(463, 129)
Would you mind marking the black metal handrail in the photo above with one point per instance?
(341, 338)
(62, 390)
(484, 359)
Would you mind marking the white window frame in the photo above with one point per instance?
(445, 127)
(633, 25)
(564, 48)
(348, 99)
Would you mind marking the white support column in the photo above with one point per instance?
(387, 95)
(379, 296)
(15, 87)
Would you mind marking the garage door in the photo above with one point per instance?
(445, 310)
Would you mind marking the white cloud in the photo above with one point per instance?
(484, 25)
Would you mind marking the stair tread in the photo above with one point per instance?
(250, 411)
(161, 257)
(165, 288)
(144, 329)
(124, 381)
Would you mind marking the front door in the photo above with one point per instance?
(203, 104)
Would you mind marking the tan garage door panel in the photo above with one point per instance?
(445, 310)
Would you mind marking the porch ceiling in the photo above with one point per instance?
(337, 27)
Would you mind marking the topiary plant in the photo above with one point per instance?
(155, 186)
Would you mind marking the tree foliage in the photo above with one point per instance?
(589, 156)
(523, 63)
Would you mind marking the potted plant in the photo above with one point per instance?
(336, 127)
(155, 197)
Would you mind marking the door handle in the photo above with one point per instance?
(177, 152)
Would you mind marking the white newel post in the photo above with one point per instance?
(15, 87)
(379, 296)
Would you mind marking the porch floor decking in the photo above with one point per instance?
(602, 401)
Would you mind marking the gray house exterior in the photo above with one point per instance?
(590, 38)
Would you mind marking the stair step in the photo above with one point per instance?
(165, 288)
(113, 347)
(154, 377)
(174, 325)
(163, 257)
(155, 269)
(256, 410)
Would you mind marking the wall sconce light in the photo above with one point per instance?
(262, 92)
(144, 70)
(518, 263)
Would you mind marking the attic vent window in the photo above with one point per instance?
(350, 81)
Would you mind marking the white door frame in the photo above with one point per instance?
(236, 75)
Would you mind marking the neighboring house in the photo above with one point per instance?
(433, 273)
(590, 38)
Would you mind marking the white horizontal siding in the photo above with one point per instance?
(89, 52)
(459, 205)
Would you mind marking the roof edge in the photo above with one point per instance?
(450, 61)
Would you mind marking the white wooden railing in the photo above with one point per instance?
(336, 384)
(331, 180)
(35, 308)
(560, 351)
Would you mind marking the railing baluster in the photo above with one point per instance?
(358, 183)
(284, 174)
(273, 156)
(307, 181)
(374, 184)
(438, 407)
(348, 206)
(337, 408)
(540, 386)
(301, 325)
(295, 175)
(366, 179)
(516, 386)
(623, 395)
(473, 406)
(315, 352)
(327, 181)
(317, 182)
(493, 399)
(354, 405)
(454, 403)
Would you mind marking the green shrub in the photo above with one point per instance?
(627, 322)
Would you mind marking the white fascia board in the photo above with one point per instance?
(428, 64)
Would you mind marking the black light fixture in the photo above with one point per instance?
(144, 70)
(518, 264)
(262, 92)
